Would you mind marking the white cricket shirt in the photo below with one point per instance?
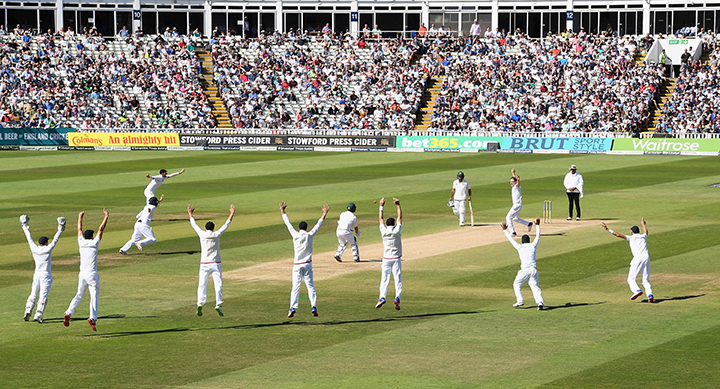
(88, 254)
(638, 245)
(461, 190)
(209, 242)
(156, 181)
(516, 195)
(41, 254)
(302, 241)
(391, 241)
(347, 223)
(146, 215)
(527, 250)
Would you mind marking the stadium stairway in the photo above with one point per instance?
(211, 90)
(666, 91)
(427, 106)
(639, 57)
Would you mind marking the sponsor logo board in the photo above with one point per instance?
(123, 139)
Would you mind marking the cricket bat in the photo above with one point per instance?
(472, 216)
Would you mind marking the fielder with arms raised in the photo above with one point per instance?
(88, 277)
(42, 279)
(210, 259)
(392, 254)
(302, 263)
(640, 261)
(527, 273)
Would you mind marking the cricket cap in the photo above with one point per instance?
(635, 229)
(573, 167)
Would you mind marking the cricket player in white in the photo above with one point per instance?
(527, 273)
(210, 259)
(88, 277)
(156, 181)
(574, 187)
(42, 279)
(640, 261)
(142, 226)
(302, 262)
(346, 224)
(461, 193)
(512, 215)
(392, 253)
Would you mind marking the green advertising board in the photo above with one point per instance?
(668, 145)
(446, 142)
(34, 136)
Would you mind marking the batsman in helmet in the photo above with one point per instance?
(346, 224)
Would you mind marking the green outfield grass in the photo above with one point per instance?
(456, 329)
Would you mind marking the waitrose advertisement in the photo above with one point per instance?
(666, 145)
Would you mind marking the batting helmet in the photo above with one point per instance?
(351, 207)
(461, 174)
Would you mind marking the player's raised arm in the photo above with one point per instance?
(399, 210)
(382, 205)
(101, 229)
(325, 209)
(619, 235)
(644, 226)
(79, 225)
(232, 210)
(515, 176)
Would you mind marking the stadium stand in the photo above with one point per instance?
(694, 106)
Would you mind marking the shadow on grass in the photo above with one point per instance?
(116, 316)
(566, 305)
(288, 323)
(190, 252)
(692, 296)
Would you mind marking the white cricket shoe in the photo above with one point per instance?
(137, 244)
(518, 305)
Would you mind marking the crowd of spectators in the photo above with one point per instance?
(64, 79)
(565, 82)
(493, 81)
(325, 82)
(695, 104)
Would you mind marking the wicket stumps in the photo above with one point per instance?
(547, 212)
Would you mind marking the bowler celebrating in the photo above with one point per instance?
(210, 259)
(640, 261)
(156, 181)
(42, 279)
(88, 277)
(392, 253)
(527, 273)
(142, 226)
(517, 205)
(302, 262)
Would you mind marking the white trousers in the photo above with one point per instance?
(300, 273)
(148, 193)
(141, 230)
(512, 216)
(531, 277)
(86, 280)
(206, 269)
(637, 266)
(394, 266)
(343, 241)
(459, 211)
(39, 292)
